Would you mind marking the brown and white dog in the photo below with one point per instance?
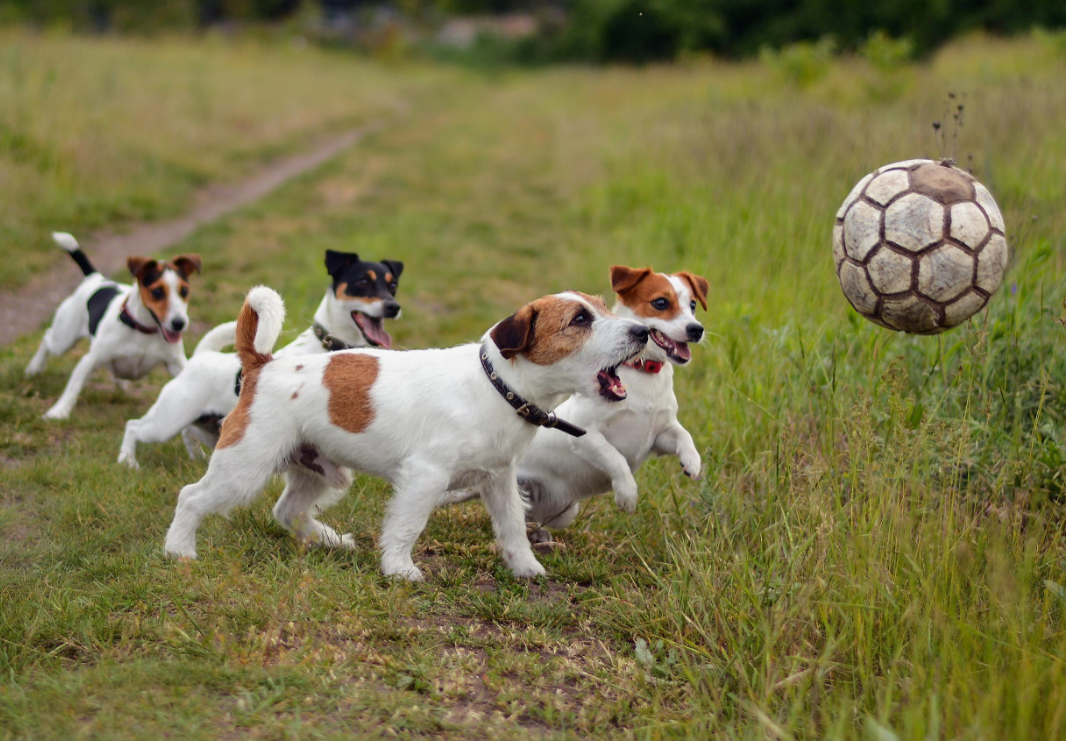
(132, 329)
(556, 473)
(429, 421)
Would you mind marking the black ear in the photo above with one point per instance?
(188, 264)
(514, 334)
(335, 261)
(394, 266)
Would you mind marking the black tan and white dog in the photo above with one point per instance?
(428, 421)
(556, 473)
(360, 297)
(132, 329)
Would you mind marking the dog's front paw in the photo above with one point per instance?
(528, 569)
(56, 413)
(625, 494)
(126, 459)
(402, 569)
(179, 554)
(691, 464)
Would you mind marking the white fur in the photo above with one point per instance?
(267, 304)
(207, 385)
(66, 241)
(557, 472)
(127, 353)
(438, 425)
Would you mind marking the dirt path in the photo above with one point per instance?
(23, 309)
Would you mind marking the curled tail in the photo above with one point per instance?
(258, 327)
(218, 338)
(67, 242)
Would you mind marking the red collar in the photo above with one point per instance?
(648, 366)
(127, 318)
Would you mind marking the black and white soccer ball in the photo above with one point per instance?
(919, 246)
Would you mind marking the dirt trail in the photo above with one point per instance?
(23, 309)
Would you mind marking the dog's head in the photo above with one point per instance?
(366, 293)
(666, 304)
(570, 344)
(164, 290)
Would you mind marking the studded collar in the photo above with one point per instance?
(646, 366)
(127, 318)
(329, 342)
(529, 412)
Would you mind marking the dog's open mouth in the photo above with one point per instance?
(611, 386)
(373, 328)
(170, 335)
(678, 351)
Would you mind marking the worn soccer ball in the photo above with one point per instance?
(919, 246)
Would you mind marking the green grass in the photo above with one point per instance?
(876, 549)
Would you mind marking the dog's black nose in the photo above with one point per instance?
(178, 324)
(639, 332)
(694, 332)
(392, 309)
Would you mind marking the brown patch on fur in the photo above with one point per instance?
(943, 184)
(388, 277)
(372, 275)
(638, 287)
(341, 287)
(295, 394)
(236, 422)
(185, 265)
(158, 307)
(348, 378)
(299, 367)
(542, 330)
(149, 274)
(698, 285)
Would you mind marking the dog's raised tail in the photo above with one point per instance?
(67, 242)
(218, 339)
(258, 327)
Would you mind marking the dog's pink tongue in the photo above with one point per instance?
(683, 351)
(170, 335)
(374, 330)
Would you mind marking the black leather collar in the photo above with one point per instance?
(127, 318)
(529, 412)
(329, 342)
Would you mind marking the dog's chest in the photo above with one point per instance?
(633, 431)
(131, 368)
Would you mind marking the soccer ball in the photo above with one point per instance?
(919, 246)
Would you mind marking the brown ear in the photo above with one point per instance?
(624, 279)
(186, 264)
(514, 334)
(140, 265)
(699, 287)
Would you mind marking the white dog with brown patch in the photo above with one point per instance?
(557, 473)
(428, 421)
(130, 331)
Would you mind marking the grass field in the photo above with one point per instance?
(876, 549)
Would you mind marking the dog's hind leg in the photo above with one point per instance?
(40, 357)
(193, 436)
(419, 489)
(235, 477)
(306, 494)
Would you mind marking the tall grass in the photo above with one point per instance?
(875, 549)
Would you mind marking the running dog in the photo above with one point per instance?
(556, 473)
(428, 421)
(352, 314)
(130, 331)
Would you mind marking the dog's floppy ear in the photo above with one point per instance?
(625, 279)
(394, 266)
(335, 261)
(699, 287)
(141, 266)
(514, 334)
(186, 264)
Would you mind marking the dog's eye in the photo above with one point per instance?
(581, 319)
(158, 294)
(184, 292)
(392, 287)
(660, 303)
(693, 307)
(365, 281)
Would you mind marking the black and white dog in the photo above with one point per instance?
(352, 314)
(131, 331)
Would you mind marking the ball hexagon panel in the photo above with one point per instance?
(963, 308)
(914, 222)
(945, 273)
(909, 313)
(857, 288)
(890, 272)
(854, 195)
(887, 186)
(968, 224)
(862, 230)
(984, 198)
(991, 262)
(838, 245)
